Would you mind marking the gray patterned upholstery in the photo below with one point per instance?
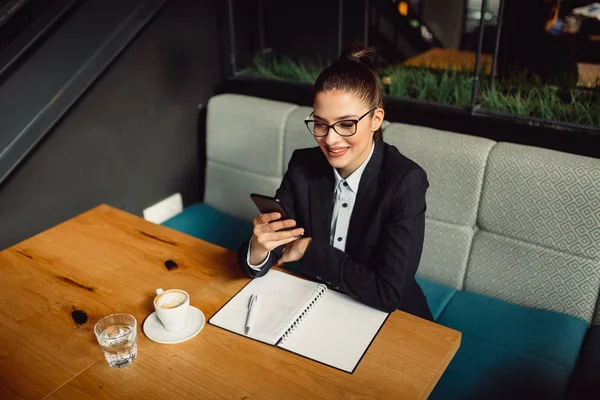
(297, 136)
(539, 243)
(532, 275)
(445, 252)
(514, 222)
(455, 165)
(544, 197)
(240, 131)
(228, 189)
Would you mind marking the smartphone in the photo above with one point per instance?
(266, 205)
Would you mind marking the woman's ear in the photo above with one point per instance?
(377, 119)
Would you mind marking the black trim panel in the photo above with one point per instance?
(51, 79)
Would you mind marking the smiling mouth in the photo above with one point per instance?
(337, 152)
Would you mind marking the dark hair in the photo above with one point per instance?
(354, 72)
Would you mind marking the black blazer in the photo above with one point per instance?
(385, 237)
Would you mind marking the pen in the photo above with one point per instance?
(252, 310)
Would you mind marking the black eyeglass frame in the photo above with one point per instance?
(329, 126)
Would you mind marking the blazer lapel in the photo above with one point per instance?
(367, 195)
(321, 203)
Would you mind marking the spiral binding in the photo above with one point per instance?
(290, 330)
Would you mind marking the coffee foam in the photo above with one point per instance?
(172, 304)
(171, 299)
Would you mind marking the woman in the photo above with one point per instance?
(357, 204)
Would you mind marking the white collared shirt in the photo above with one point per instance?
(344, 197)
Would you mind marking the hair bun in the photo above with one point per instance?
(357, 52)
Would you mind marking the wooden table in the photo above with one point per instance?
(106, 261)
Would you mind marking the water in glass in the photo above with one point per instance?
(117, 337)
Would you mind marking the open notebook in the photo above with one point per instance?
(304, 317)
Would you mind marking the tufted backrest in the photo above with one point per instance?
(454, 164)
(513, 222)
(244, 147)
(539, 238)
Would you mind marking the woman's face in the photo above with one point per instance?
(346, 153)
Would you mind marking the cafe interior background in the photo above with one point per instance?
(105, 101)
(127, 129)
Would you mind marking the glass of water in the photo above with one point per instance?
(116, 334)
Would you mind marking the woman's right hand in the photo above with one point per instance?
(268, 235)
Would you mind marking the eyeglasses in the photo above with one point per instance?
(346, 127)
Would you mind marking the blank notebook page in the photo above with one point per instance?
(337, 331)
(281, 298)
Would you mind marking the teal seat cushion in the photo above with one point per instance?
(437, 295)
(482, 370)
(207, 223)
(501, 338)
(585, 383)
(547, 334)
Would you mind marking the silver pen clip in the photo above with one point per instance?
(253, 300)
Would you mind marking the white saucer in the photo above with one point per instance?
(155, 330)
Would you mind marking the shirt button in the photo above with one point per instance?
(339, 239)
(345, 183)
(345, 205)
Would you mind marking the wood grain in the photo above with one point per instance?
(107, 261)
(404, 362)
(101, 262)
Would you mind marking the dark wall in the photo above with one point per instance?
(302, 28)
(308, 28)
(445, 18)
(133, 138)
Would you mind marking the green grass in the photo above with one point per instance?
(574, 106)
(447, 87)
(284, 68)
(519, 95)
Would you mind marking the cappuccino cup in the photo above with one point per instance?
(172, 308)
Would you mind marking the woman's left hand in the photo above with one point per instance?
(293, 251)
